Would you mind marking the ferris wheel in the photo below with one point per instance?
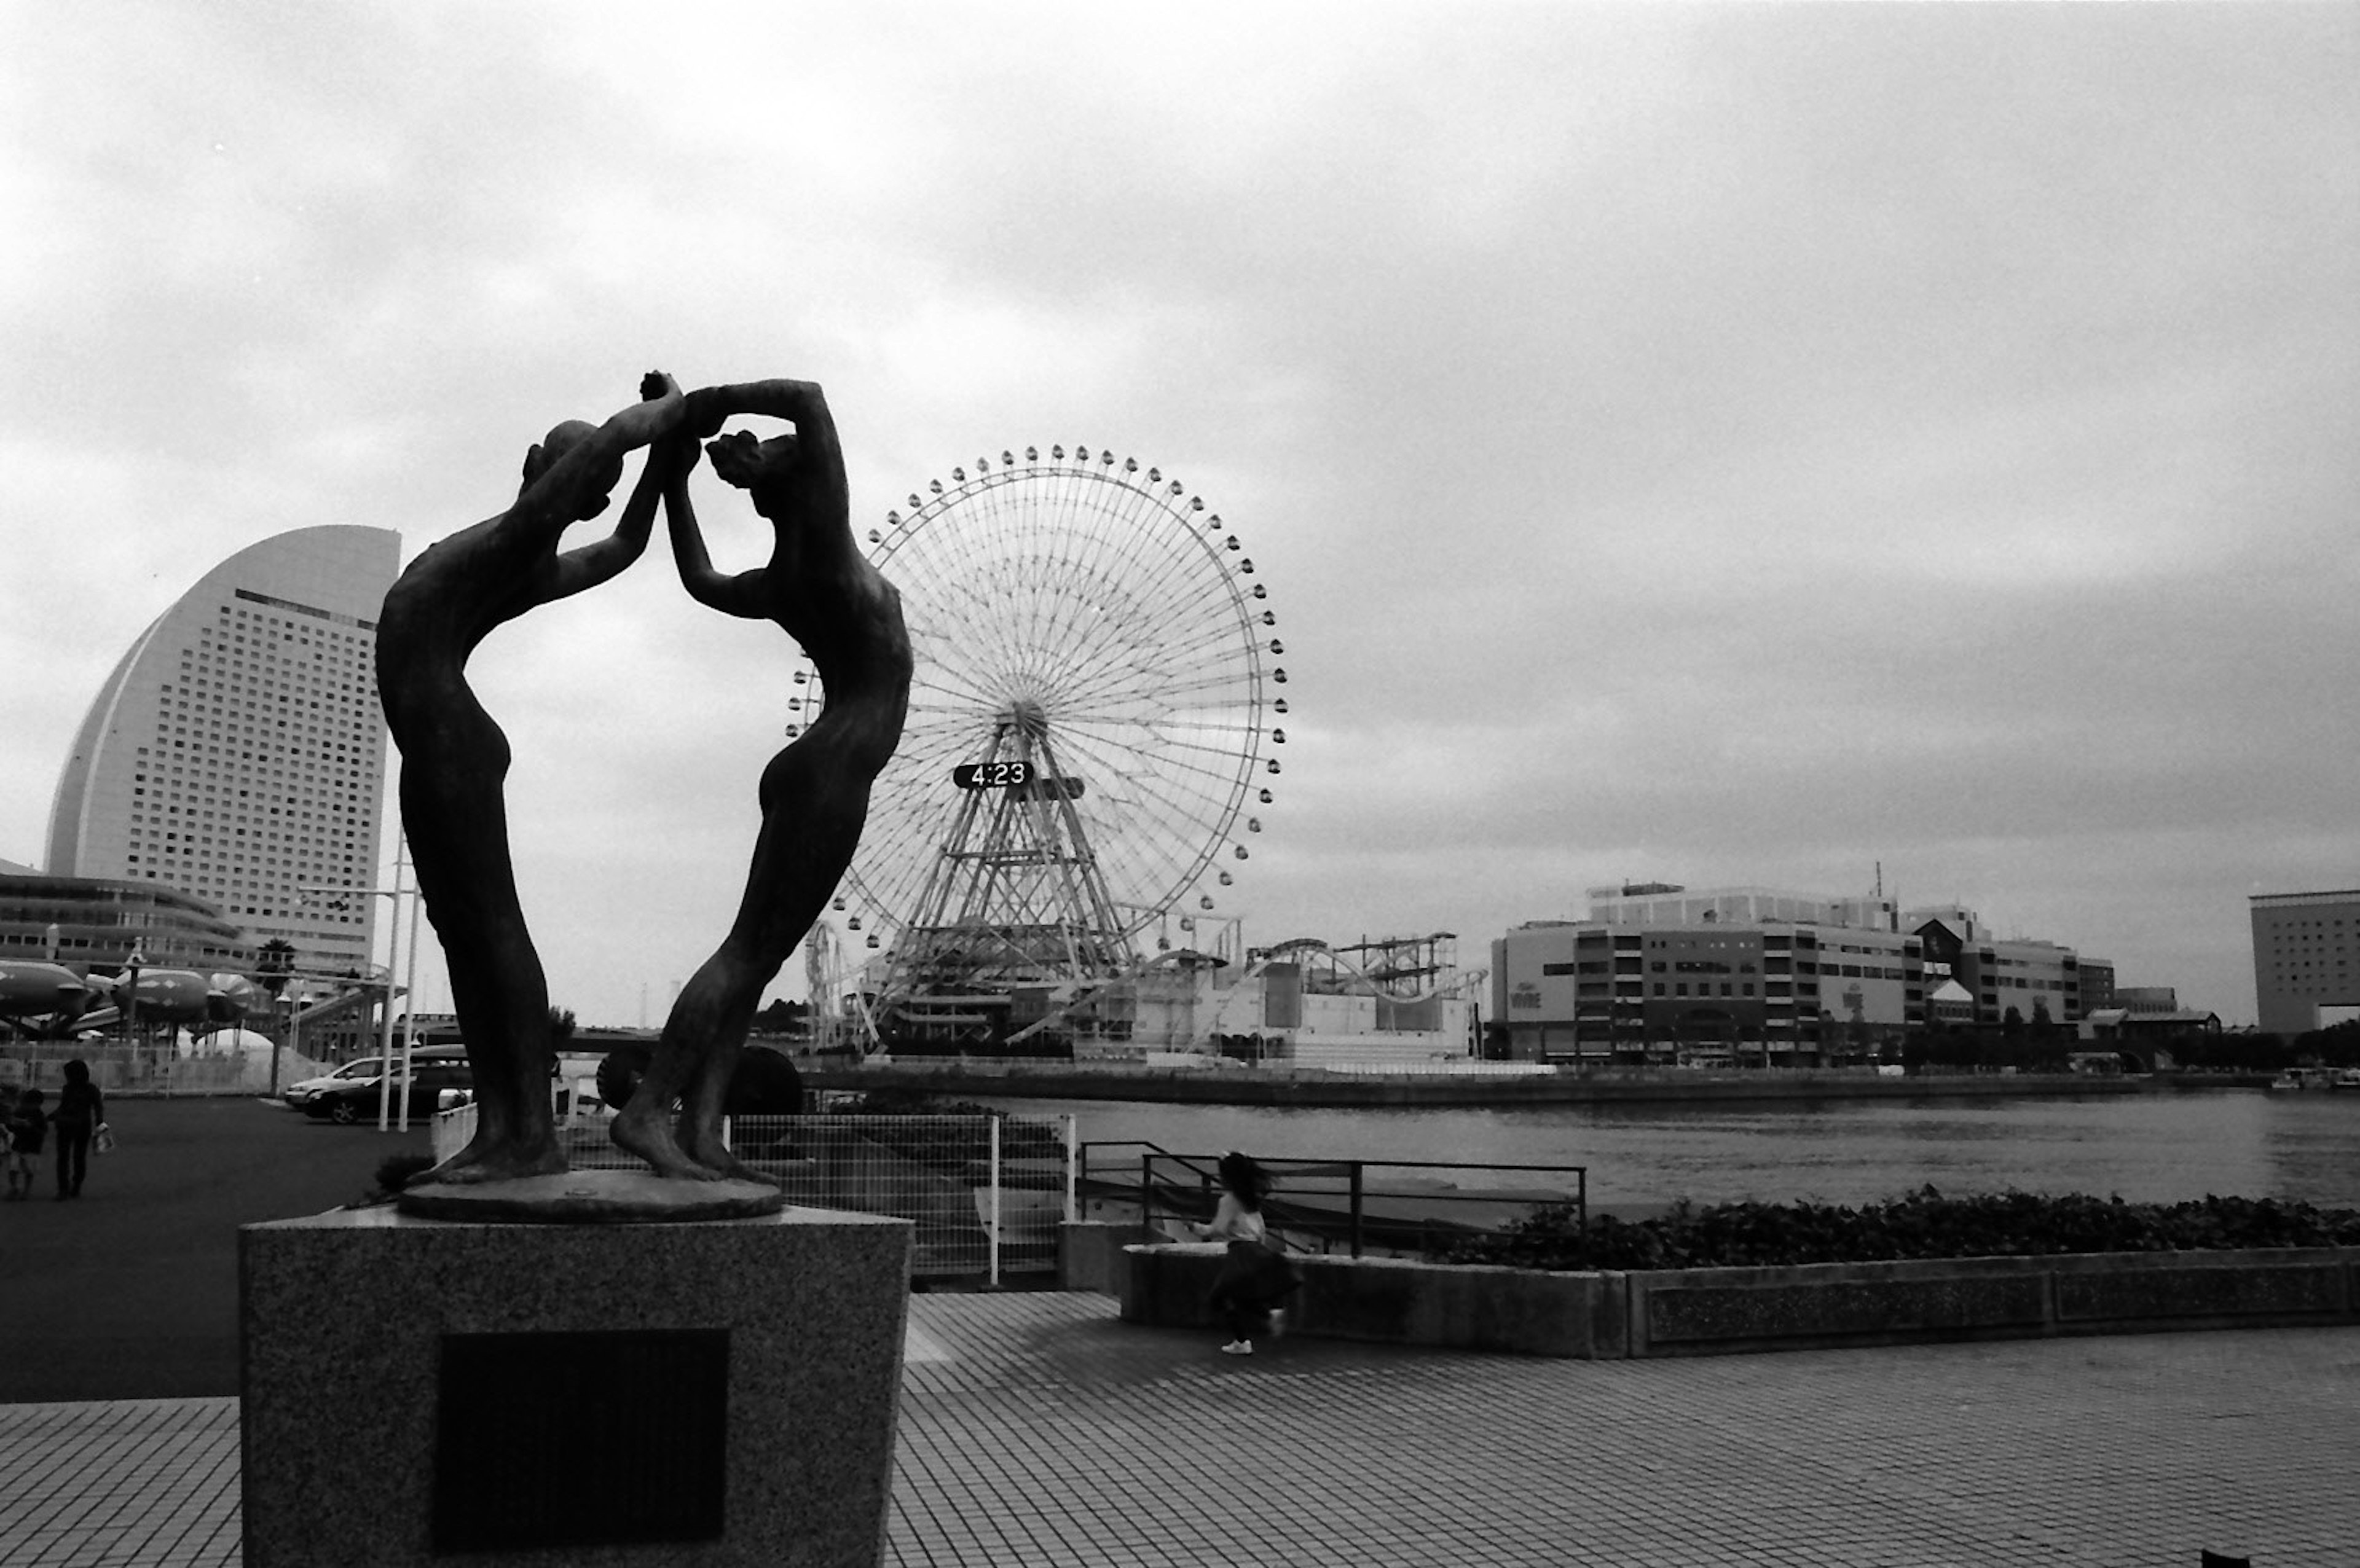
(1089, 751)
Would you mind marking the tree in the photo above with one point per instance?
(275, 964)
(781, 1017)
(561, 1027)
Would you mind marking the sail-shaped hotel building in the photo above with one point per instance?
(237, 753)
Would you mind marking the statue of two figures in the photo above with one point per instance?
(816, 587)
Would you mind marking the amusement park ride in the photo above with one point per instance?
(47, 999)
(1093, 740)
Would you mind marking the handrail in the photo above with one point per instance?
(1157, 1194)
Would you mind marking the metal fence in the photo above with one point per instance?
(123, 1069)
(987, 1193)
(1407, 1207)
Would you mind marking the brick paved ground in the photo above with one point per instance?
(1037, 1429)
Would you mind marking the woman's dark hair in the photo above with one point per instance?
(1248, 1181)
(77, 1071)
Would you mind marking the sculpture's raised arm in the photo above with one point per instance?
(666, 474)
(734, 596)
(569, 474)
(802, 403)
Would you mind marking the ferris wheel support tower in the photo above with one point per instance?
(1016, 892)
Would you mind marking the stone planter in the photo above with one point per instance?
(1707, 1310)
(1703, 1311)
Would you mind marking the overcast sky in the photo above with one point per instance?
(1729, 446)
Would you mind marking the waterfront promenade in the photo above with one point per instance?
(1038, 1430)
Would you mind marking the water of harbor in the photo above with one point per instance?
(2160, 1147)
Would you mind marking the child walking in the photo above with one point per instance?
(28, 1130)
(7, 1135)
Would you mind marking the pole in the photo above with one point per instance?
(409, 973)
(995, 1202)
(384, 1033)
(1356, 1208)
(1073, 1162)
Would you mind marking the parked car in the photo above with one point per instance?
(439, 1076)
(361, 1069)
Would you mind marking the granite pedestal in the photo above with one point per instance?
(426, 1391)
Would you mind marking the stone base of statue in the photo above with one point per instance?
(524, 1395)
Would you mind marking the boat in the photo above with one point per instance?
(2299, 1078)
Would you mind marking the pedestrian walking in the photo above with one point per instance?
(80, 1113)
(9, 1135)
(27, 1128)
(1255, 1277)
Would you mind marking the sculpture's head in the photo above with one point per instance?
(561, 439)
(744, 461)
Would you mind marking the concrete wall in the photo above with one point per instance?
(1387, 1301)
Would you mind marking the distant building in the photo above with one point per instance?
(237, 753)
(86, 923)
(2133, 1026)
(2097, 984)
(2306, 958)
(1658, 973)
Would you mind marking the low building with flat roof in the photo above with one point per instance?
(1658, 973)
(88, 923)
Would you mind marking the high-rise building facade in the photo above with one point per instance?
(238, 753)
(2306, 958)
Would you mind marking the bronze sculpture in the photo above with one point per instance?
(456, 758)
(815, 794)
(821, 592)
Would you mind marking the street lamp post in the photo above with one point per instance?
(385, 1034)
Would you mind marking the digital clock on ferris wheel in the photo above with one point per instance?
(992, 775)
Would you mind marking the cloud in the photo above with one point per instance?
(1719, 443)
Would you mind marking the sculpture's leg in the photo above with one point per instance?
(715, 1023)
(459, 844)
(815, 802)
(644, 1126)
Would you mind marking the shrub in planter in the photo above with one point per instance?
(1923, 1224)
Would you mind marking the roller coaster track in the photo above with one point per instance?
(1461, 982)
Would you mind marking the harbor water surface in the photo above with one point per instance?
(2162, 1146)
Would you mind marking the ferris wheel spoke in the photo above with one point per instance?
(1109, 559)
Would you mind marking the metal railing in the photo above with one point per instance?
(1390, 1205)
(987, 1193)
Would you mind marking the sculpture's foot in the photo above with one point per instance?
(493, 1160)
(649, 1136)
(708, 1150)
